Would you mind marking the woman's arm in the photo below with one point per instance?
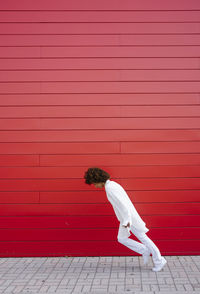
(118, 199)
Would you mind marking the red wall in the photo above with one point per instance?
(113, 84)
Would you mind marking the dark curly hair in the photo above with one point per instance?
(96, 175)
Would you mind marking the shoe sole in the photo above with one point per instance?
(154, 270)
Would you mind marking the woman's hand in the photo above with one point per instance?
(128, 225)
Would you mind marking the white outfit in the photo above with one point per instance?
(126, 213)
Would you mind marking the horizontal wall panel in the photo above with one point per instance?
(100, 63)
(160, 147)
(20, 197)
(163, 183)
(99, 123)
(118, 159)
(100, 136)
(19, 52)
(103, 5)
(79, 185)
(19, 88)
(99, 52)
(125, 51)
(100, 75)
(64, 148)
(93, 234)
(100, 148)
(104, 159)
(100, 28)
(99, 248)
(98, 87)
(100, 111)
(119, 172)
(101, 40)
(19, 160)
(100, 99)
(107, 87)
(158, 40)
(95, 222)
(99, 196)
(33, 209)
(99, 16)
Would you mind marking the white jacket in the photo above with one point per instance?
(124, 208)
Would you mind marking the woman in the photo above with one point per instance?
(128, 217)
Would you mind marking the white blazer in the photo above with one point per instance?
(124, 209)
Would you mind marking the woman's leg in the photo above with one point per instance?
(130, 243)
(156, 256)
(133, 245)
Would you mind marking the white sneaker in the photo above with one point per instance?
(157, 268)
(146, 255)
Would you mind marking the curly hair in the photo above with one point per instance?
(96, 175)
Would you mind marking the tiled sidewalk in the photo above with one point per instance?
(109, 274)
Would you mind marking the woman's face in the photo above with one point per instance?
(99, 185)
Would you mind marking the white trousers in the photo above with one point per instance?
(147, 243)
